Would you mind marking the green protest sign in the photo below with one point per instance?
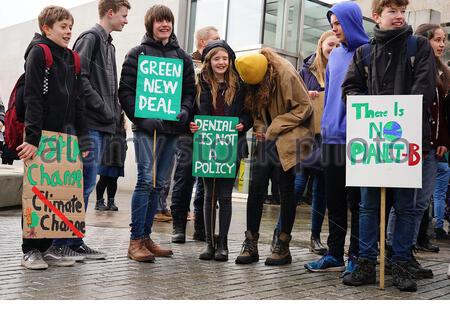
(158, 88)
(215, 147)
(52, 199)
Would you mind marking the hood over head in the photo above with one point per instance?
(350, 17)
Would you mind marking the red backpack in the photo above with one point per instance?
(15, 115)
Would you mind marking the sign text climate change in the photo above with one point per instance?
(52, 200)
(215, 147)
(158, 88)
(384, 141)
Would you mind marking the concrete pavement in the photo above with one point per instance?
(185, 276)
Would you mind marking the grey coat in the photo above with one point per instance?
(99, 77)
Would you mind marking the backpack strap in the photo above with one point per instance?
(76, 61)
(96, 43)
(366, 53)
(47, 55)
(411, 49)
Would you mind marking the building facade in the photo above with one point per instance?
(292, 27)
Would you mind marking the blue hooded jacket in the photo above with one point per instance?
(334, 122)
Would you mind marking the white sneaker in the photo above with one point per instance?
(54, 257)
(33, 260)
(448, 272)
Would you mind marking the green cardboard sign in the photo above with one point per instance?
(158, 88)
(215, 147)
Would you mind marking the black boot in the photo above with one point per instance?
(402, 277)
(100, 205)
(364, 273)
(111, 205)
(280, 253)
(316, 246)
(222, 249)
(388, 260)
(249, 252)
(179, 227)
(199, 227)
(418, 272)
(208, 253)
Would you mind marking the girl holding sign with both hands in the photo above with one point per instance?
(220, 93)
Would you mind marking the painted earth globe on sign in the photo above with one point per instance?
(392, 131)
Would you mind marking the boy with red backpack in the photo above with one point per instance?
(53, 100)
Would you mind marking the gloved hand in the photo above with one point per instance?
(183, 116)
(149, 125)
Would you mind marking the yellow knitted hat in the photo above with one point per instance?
(252, 67)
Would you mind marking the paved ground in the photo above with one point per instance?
(185, 276)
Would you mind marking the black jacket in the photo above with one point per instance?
(391, 72)
(62, 109)
(237, 109)
(128, 78)
(99, 76)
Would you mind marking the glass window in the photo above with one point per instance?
(244, 23)
(293, 25)
(273, 23)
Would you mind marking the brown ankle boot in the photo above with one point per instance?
(280, 252)
(138, 252)
(156, 249)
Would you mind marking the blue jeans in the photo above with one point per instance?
(440, 192)
(423, 196)
(162, 197)
(319, 201)
(404, 202)
(90, 165)
(145, 195)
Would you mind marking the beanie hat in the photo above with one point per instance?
(218, 44)
(252, 67)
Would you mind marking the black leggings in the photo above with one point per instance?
(106, 182)
(264, 161)
(217, 190)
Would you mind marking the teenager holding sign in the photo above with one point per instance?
(159, 41)
(220, 93)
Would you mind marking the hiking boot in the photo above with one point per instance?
(138, 252)
(156, 249)
(100, 205)
(249, 251)
(325, 264)
(364, 273)
(402, 277)
(89, 253)
(316, 246)
(111, 205)
(441, 234)
(69, 254)
(221, 253)
(352, 262)
(208, 252)
(427, 246)
(275, 235)
(280, 253)
(179, 227)
(33, 260)
(53, 257)
(448, 272)
(418, 272)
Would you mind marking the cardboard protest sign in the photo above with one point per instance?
(215, 147)
(158, 88)
(317, 104)
(52, 200)
(384, 141)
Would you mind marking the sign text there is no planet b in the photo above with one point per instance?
(158, 88)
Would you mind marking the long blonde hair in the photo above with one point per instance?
(207, 74)
(320, 62)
